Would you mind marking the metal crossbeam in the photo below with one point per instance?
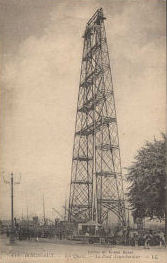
(89, 79)
(81, 182)
(91, 103)
(107, 147)
(91, 52)
(106, 174)
(82, 158)
(94, 127)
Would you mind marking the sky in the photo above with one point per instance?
(41, 50)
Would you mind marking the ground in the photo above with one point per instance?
(56, 250)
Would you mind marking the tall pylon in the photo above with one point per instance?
(96, 176)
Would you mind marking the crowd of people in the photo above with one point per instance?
(146, 238)
(128, 237)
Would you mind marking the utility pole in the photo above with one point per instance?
(12, 232)
(27, 217)
(128, 218)
(22, 215)
(44, 210)
(65, 211)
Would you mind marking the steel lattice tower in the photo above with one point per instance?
(96, 177)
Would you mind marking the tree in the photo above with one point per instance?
(148, 184)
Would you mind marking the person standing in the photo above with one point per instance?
(148, 238)
(162, 239)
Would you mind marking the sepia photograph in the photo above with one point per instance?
(83, 172)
